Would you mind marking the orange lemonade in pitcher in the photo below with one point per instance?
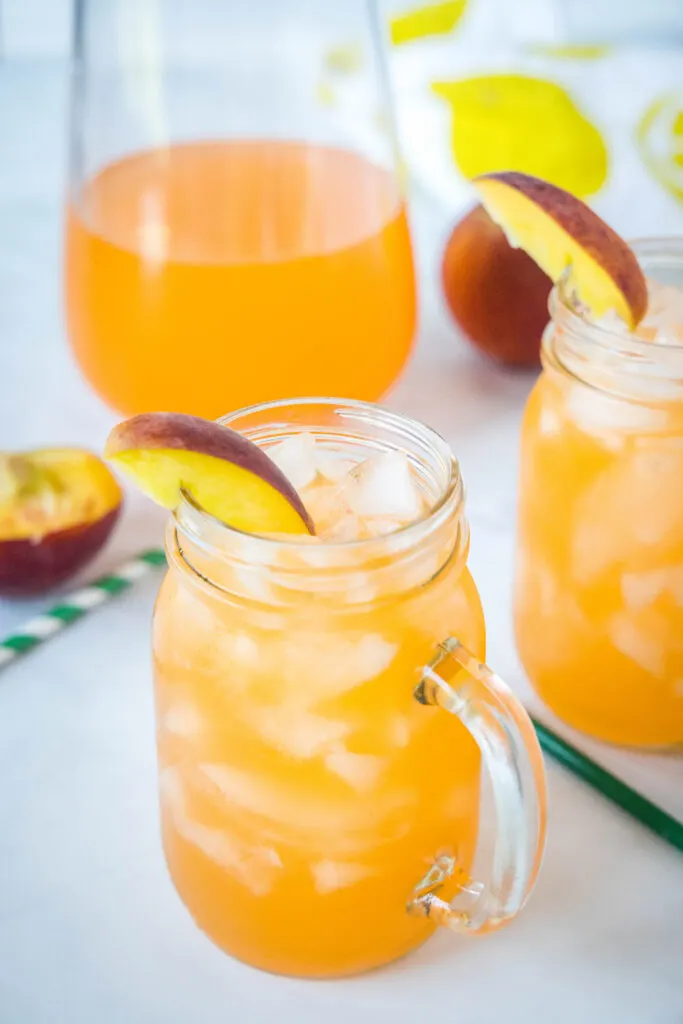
(208, 275)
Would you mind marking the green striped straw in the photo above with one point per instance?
(76, 605)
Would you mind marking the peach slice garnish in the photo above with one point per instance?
(228, 476)
(567, 240)
(57, 508)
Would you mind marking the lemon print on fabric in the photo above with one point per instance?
(426, 20)
(659, 139)
(344, 58)
(579, 51)
(515, 122)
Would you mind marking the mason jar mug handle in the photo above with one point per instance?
(457, 682)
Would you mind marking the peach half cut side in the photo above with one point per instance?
(228, 476)
(568, 241)
(58, 507)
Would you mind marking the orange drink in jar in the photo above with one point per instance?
(599, 593)
(319, 808)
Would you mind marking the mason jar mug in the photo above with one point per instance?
(599, 591)
(324, 717)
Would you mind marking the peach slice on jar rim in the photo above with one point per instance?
(57, 509)
(227, 475)
(568, 241)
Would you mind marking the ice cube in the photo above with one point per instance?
(638, 644)
(297, 457)
(360, 500)
(294, 731)
(251, 581)
(380, 526)
(336, 664)
(334, 468)
(239, 787)
(611, 421)
(187, 625)
(310, 552)
(611, 321)
(631, 511)
(656, 507)
(360, 771)
(183, 719)
(272, 798)
(663, 322)
(386, 486)
(255, 867)
(331, 875)
(341, 527)
(244, 650)
(172, 791)
(317, 665)
(330, 510)
(559, 626)
(641, 589)
(549, 422)
(252, 551)
(400, 731)
(290, 814)
(595, 547)
(360, 588)
(235, 658)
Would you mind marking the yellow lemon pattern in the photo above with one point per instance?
(427, 20)
(659, 139)
(576, 51)
(345, 58)
(516, 122)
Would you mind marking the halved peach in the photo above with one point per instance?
(57, 508)
(231, 478)
(565, 237)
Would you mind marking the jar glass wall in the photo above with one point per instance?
(599, 589)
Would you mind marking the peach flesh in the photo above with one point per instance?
(565, 237)
(57, 509)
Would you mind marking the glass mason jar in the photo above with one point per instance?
(599, 591)
(319, 809)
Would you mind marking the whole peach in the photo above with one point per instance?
(497, 295)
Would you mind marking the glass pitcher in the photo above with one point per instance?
(324, 716)
(233, 235)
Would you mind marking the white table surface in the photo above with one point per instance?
(91, 931)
